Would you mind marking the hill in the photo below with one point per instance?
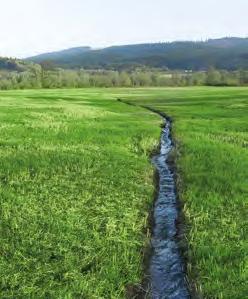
(12, 64)
(65, 56)
(225, 53)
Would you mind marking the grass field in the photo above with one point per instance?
(211, 127)
(76, 188)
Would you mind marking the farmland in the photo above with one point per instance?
(76, 188)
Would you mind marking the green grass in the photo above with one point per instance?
(211, 129)
(76, 188)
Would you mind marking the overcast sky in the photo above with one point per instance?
(29, 27)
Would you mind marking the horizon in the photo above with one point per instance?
(134, 44)
(58, 25)
(124, 44)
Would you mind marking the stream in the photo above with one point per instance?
(168, 280)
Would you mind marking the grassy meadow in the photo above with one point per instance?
(76, 188)
(211, 130)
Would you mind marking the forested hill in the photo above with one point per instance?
(225, 53)
(11, 64)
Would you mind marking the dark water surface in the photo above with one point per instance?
(166, 266)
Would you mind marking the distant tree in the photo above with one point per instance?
(164, 80)
(84, 79)
(243, 77)
(213, 77)
(125, 80)
(176, 79)
(5, 84)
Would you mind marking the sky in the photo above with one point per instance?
(30, 27)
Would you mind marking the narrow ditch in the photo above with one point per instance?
(168, 280)
(166, 268)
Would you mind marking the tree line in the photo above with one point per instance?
(36, 76)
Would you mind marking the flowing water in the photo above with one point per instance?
(166, 266)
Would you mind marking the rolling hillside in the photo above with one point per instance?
(225, 53)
